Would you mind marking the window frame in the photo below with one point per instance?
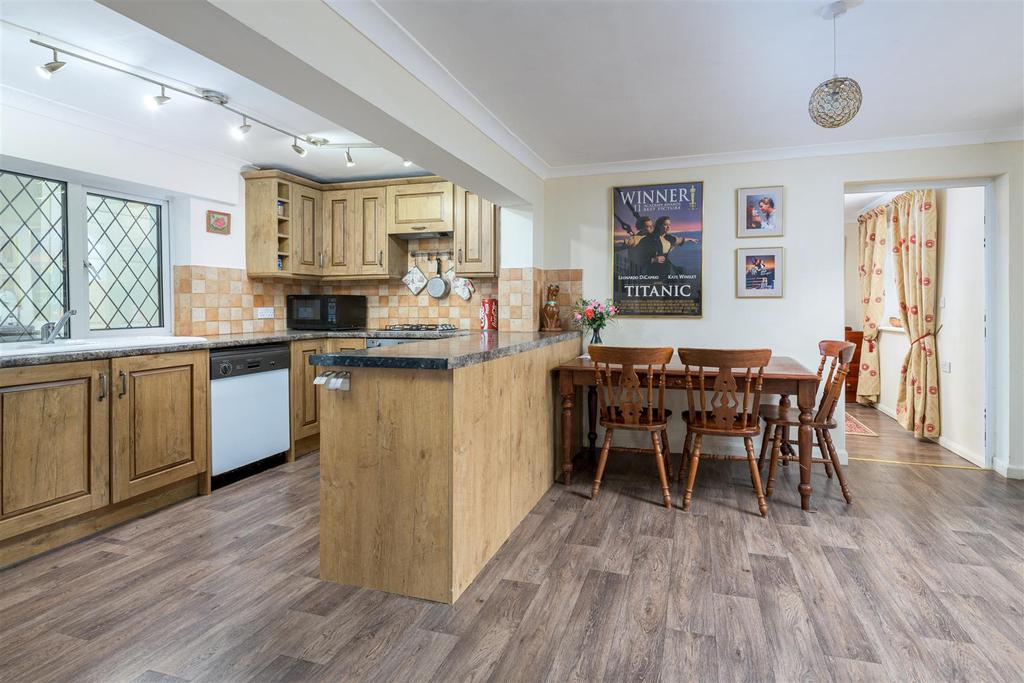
(78, 248)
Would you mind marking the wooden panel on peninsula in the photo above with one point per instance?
(426, 472)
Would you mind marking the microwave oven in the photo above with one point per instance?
(326, 312)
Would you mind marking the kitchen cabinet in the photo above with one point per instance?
(420, 208)
(341, 238)
(371, 228)
(476, 234)
(304, 397)
(268, 227)
(307, 237)
(159, 420)
(54, 443)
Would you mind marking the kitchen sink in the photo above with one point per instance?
(99, 344)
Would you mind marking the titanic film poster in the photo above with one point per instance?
(657, 234)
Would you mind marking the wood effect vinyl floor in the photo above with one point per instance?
(919, 580)
(895, 443)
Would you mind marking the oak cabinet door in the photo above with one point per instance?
(372, 228)
(54, 443)
(341, 238)
(476, 238)
(307, 231)
(420, 207)
(304, 400)
(159, 421)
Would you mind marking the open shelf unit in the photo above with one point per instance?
(284, 231)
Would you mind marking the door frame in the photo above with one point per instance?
(990, 221)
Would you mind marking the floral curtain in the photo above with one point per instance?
(872, 230)
(915, 250)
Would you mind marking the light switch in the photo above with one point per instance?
(942, 302)
(946, 366)
(265, 313)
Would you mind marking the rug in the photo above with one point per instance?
(856, 427)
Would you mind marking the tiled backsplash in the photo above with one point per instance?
(210, 301)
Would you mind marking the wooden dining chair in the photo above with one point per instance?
(626, 402)
(732, 409)
(837, 355)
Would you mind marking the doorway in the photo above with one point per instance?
(962, 345)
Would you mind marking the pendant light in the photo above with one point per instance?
(836, 101)
(47, 70)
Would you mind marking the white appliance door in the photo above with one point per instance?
(250, 418)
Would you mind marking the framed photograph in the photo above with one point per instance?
(657, 249)
(218, 222)
(759, 212)
(759, 273)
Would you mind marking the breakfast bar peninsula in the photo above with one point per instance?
(433, 455)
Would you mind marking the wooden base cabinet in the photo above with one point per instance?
(160, 405)
(305, 396)
(54, 444)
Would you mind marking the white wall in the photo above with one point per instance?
(852, 306)
(516, 238)
(577, 235)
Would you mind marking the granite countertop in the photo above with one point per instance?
(445, 354)
(67, 354)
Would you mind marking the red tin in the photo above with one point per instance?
(489, 314)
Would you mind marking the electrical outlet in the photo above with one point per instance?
(946, 366)
(265, 313)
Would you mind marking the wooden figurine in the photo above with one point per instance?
(551, 322)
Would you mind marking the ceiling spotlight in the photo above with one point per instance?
(299, 149)
(349, 161)
(51, 67)
(406, 163)
(241, 131)
(158, 100)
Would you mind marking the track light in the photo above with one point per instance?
(157, 101)
(349, 161)
(299, 149)
(406, 163)
(241, 131)
(47, 70)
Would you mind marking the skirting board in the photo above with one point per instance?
(950, 445)
(1004, 469)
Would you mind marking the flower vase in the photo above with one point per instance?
(596, 339)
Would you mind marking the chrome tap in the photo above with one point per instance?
(49, 331)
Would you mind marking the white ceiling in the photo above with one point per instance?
(592, 82)
(87, 27)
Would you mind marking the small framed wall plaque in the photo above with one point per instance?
(218, 222)
(759, 273)
(759, 212)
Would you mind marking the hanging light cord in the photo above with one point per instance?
(835, 73)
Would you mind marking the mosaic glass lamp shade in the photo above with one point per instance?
(835, 102)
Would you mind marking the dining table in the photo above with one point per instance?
(783, 376)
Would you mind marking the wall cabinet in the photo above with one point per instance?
(54, 443)
(476, 234)
(160, 408)
(420, 207)
(338, 232)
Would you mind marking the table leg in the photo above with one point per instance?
(805, 400)
(783, 407)
(592, 417)
(566, 390)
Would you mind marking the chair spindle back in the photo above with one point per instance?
(623, 400)
(837, 354)
(726, 409)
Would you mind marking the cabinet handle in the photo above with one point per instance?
(460, 254)
(418, 227)
(124, 383)
(103, 386)
(381, 261)
(321, 259)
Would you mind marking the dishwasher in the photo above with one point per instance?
(249, 411)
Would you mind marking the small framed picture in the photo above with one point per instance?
(759, 273)
(218, 222)
(759, 212)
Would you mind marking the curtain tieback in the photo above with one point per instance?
(926, 334)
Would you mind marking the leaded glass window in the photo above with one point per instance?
(33, 226)
(124, 262)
